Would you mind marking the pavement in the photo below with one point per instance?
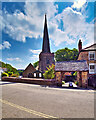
(21, 100)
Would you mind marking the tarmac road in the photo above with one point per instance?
(33, 101)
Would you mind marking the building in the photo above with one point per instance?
(28, 72)
(79, 66)
(46, 58)
(89, 54)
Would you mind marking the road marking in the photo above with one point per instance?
(27, 109)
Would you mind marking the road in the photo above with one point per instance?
(33, 101)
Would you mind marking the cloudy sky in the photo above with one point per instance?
(22, 25)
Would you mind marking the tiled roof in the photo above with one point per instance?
(90, 48)
(80, 65)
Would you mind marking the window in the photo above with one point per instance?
(92, 68)
(34, 74)
(40, 75)
(92, 55)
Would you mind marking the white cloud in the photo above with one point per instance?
(78, 3)
(34, 58)
(4, 45)
(35, 51)
(20, 26)
(14, 59)
(75, 27)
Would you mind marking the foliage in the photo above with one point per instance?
(50, 72)
(36, 64)
(9, 67)
(4, 74)
(10, 73)
(75, 74)
(76, 82)
(66, 54)
(20, 72)
(14, 75)
(63, 82)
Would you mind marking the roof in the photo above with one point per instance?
(90, 48)
(37, 71)
(46, 45)
(30, 68)
(79, 65)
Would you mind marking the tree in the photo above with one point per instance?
(10, 73)
(66, 54)
(9, 68)
(50, 72)
(36, 64)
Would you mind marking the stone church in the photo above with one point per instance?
(46, 58)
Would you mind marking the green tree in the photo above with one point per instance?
(36, 64)
(10, 73)
(50, 72)
(9, 68)
(66, 54)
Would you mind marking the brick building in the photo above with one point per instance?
(46, 58)
(89, 54)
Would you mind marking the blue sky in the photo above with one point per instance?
(22, 27)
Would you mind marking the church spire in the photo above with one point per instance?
(46, 45)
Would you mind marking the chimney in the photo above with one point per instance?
(80, 45)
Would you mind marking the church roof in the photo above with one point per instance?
(30, 68)
(90, 48)
(70, 66)
(46, 45)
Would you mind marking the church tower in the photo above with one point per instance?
(46, 58)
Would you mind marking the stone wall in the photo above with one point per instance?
(45, 59)
(82, 78)
(48, 82)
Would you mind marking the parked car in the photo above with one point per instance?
(70, 84)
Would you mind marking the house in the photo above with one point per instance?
(89, 54)
(28, 72)
(80, 66)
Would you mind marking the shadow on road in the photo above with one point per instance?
(7, 83)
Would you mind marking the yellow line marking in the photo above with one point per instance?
(27, 110)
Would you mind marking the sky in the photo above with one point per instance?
(22, 25)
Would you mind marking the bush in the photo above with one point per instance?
(63, 82)
(50, 72)
(10, 73)
(76, 82)
(4, 74)
(14, 75)
(75, 74)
